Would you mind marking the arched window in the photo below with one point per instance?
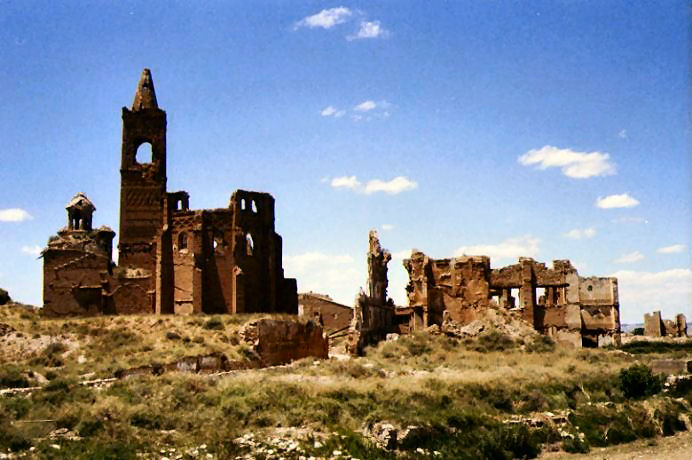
(144, 154)
(182, 241)
(254, 207)
(250, 244)
(242, 204)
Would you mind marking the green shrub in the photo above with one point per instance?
(213, 324)
(645, 346)
(638, 381)
(575, 445)
(12, 439)
(541, 344)
(638, 331)
(89, 427)
(492, 341)
(11, 377)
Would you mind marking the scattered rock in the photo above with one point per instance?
(4, 297)
(5, 329)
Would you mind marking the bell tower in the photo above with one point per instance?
(142, 177)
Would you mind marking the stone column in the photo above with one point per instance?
(527, 291)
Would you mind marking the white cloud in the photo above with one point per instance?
(365, 106)
(673, 249)
(401, 255)
(577, 165)
(369, 29)
(629, 258)
(387, 227)
(622, 200)
(579, 233)
(331, 111)
(669, 291)
(622, 134)
(14, 215)
(346, 182)
(392, 187)
(338, 275)
(511, 248)
(34, 250)
(325, 19)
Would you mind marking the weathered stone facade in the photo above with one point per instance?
(656, 326)
(333, 316)
(581, 311)
(374, 313)
(171, 259)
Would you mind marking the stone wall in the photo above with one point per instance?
(334, 316)
(282, 341)
(656, 326)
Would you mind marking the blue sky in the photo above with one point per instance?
(453, 127)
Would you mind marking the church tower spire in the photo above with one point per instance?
(145, 98)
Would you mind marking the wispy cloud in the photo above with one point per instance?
(623, 200)
(630, 220)
(629, 258)
(673, 249)
(14, 215)
(511, 248)
(577, 165)
(580, 233)
(325, 19)
(387, 227)
(331, 111)
(350, 182)
(34, 250)
(622, 134)
(365, 106)
(392, 187)
(369, 29)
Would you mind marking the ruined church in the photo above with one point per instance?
(172, 259)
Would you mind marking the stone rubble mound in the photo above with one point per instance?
(498, 319)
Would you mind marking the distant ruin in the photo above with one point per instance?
(581, 311)
(573, 310)
(332, 315)
(655, 326)
(171, 259)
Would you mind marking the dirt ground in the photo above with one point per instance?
(678, 447)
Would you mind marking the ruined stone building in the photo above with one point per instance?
(333, 315)
(172, 259)
(581, 311)
(574, 310)
(656, 326)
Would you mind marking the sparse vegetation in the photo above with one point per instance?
(460, 393)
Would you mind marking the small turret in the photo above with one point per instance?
(79, 212)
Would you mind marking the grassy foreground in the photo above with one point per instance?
(486, 398)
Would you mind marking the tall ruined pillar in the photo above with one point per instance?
(378, 259)
(527, 291)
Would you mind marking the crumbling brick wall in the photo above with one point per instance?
(334, 316)
(574, 310)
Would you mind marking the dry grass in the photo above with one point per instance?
(423, 380)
